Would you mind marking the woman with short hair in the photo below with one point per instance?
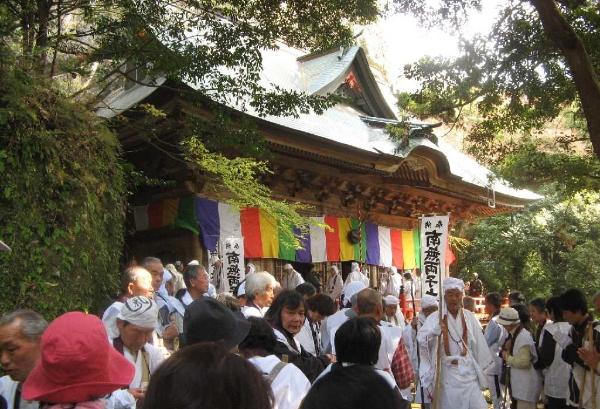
(259, 290)
(286, 315)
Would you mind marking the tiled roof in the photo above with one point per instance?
(321, 74)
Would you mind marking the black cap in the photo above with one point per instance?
(207, 320)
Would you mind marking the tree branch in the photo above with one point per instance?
(586, 81)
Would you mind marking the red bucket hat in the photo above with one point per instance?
(77, 363)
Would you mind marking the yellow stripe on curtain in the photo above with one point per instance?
(408, 249)
(269, 234)
(170, 211)
(346, 247)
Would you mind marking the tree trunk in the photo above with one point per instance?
(586, 81)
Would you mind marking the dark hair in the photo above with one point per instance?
(494, 299)
(321, 303)
(553, 306)
(191, 272)
(574, 300)
(523, 314)
(206, 375)
(289, 299)
(408, 276)
(357, 341)
(261, 339)
(539, 304)
(517, 296)
(352, 387)
(306, 289)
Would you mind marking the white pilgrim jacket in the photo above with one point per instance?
(409, 336)
(525, 383)
(290, 385)
(8, 388)
(122, 399)
(462, 377)
(335, 284)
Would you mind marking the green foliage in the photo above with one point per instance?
(240, 177)
(549, 247)
(530, 166)
(61, 200)
(214, 46)
(514, 77)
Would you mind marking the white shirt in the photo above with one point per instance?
(305, 337)
(333, 322)
(397, 320)
(122, 399)
(8, 388)
(393, 285)
(109, 319)
(289, 387)
(335, 284)
(254, 311)
(291, 280)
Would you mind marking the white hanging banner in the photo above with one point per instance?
(232, 249)
(434, 236)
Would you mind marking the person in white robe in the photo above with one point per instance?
(291, 278)
(394, 283)
(210, 292)
(318, 307)
(519, 355)
(333, 322)
(392, 313)
(259, 291)
(20, 348)
(136, 322)
(134, 281)
(335, 283)
(249, 270)
(464, 354)
(356, 275)
(429, 305)
(219, 275)
(288, 383)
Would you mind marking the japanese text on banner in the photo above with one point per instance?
(434, 235)
(233, 260)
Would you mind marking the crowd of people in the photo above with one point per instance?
(175, 339)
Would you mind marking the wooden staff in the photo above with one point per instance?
(412, 296)
(438, 366)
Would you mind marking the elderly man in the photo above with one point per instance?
(465, 355)
(212, 292)
(166, 327)
(134, 281)
(259, 290)
(291, 278)
(335, 283)
(196, 281)
(136, 323)
(429, 305)
(20, 333)
(392, 314)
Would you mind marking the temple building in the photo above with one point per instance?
(369, 189)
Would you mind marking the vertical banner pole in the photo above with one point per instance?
(434, 238)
